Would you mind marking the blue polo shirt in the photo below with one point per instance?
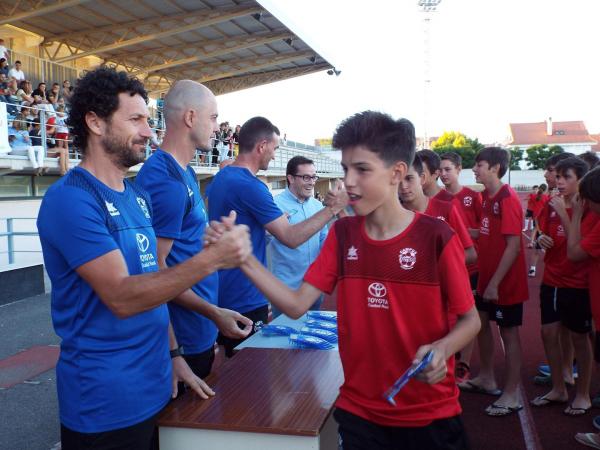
(290, 264)
(112, 373)
(179, 214)
(236, 188)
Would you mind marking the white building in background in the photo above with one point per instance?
(572, 136)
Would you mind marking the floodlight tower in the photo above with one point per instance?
(428, 7)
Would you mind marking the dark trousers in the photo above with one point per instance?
(256, 315)
(356, 433)
(141, 436)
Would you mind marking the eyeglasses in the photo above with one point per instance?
(307, 178)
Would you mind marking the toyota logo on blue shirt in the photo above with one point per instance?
(142, 242)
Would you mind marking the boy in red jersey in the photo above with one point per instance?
(502, 285)
(564, 295)
(399, 275)
(431, 165)
(468, 203)
(584, 245)
(414, 199)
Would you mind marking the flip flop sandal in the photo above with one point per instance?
(469, 386)
(589, 439)
(542, 400)
(575, 412)
(495, 410)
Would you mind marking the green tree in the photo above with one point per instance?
(516, 156)
(539, 153)
(455, 141)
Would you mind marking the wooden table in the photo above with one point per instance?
(265, 399)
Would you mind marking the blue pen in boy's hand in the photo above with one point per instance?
(406, 376)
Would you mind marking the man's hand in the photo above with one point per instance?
(227, 323)
(437, 369)
(215, 230)
(232, 242)
(491, 293)
(182, 372)
(545, 241)
(337, 197)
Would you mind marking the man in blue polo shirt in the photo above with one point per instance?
(237, 188)
(114, 373)
(179, 221)
(298, 204)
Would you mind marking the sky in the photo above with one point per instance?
(491, 63)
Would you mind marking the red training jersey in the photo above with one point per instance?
(536, 203)
(392, 297)
(560, 271)
(590, 243)
(502, 215)
(444, 196)
(468, 203)
(447, 212)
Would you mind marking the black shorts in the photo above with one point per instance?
(528, 214)
(504, 315)
(256, 315)
(569, 306)
(549, 304)
(356, 433)
(141, 436)
(473, 279)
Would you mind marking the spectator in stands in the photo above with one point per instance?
(66, 91)
(62, 134)
(16, 72)
(51, 99)
(41, 91)
(4, 67)
(21, 144)
(160, 102)
(591, 158)
(3, 86)
(25, 93)
(3, 50)
(11, 97)
(236, 140)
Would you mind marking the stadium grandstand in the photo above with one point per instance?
(227, 45)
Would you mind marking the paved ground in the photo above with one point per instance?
(29, 410)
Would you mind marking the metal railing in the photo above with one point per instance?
(10, 235)
(40, 70)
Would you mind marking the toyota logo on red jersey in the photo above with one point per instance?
(377, 290)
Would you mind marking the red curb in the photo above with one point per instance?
(27, 364)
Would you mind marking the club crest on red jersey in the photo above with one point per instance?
(496, 208)
(442, 218)
(468, 200)
(407, 258)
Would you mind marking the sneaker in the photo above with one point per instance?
(462, 372)
(531, 272)
(544, 369)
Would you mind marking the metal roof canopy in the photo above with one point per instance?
(226, 44)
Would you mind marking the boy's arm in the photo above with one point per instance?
(512, 250)
(465, 330)
(574, 251)
(292, 303)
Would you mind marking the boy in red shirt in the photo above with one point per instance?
(399, 275)
(468, 203)
(414, 199)
(431, 165)
(584, 246)
(502, 285)
(564, 295)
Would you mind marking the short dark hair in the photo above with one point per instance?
(392, 140)
(589, 186)
(591, 158)
(578, 165)
(555, 159)
(431, 159)
(292, 165)
(253, 131)
(535, 186)
(417, 164)
(18, 62)
(2, 60)
(495, 156)
(98, 91)
(453, 157)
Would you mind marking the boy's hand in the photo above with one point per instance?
(337, 197)
(577, 205)
(491, 293)
(558, 204)
(216, 229)
(545, 241)
(437, 369)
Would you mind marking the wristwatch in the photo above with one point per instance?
(176, 352)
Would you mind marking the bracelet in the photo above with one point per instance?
(176, 352)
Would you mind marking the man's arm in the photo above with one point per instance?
(126, 295)
(225, 319)
(292, 303)
(512, 250)
(295, 235)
